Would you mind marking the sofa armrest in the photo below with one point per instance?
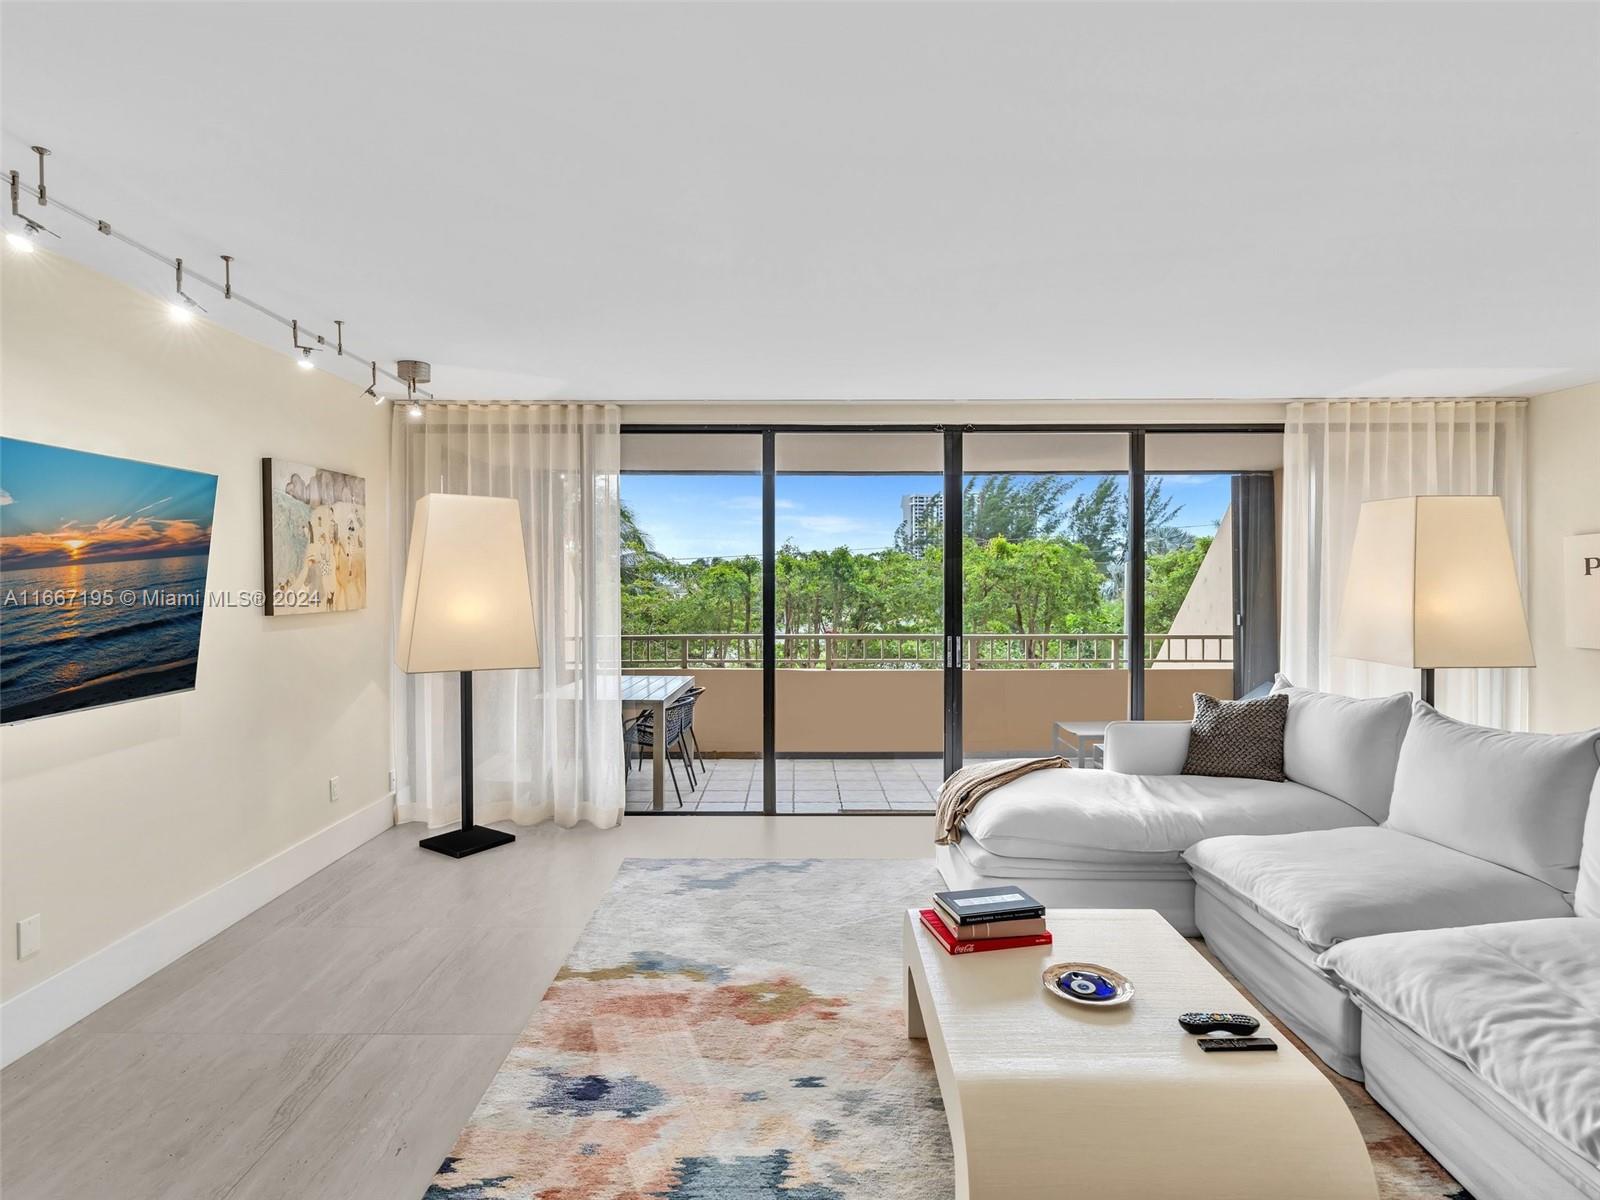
(1146, 747)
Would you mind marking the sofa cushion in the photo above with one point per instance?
(1329, 885)
(1587, 899)
(1071, 815)
(1518, 1004)
(1344, 746)
(1517, 799)
(1241, 739)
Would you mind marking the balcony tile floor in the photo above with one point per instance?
(805, 785)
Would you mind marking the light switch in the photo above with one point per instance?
(28, 936)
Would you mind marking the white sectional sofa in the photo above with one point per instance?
(1484, 826)
(1115, 838)
(1484, 1041)
(1419, 901)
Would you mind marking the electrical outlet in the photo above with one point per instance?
(391, 781)
(28, 936)
(333, 789)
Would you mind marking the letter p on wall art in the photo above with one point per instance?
(1580, 570)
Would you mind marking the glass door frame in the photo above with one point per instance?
(953, 434)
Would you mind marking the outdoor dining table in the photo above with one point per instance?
(652, 693)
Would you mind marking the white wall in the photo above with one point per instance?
(114, 817)
(1563, 499)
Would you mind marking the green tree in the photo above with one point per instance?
(1035, 587)
(1098, 521)
(1015, 507)
(638, 552)
(1168, 578)
(1063, 578)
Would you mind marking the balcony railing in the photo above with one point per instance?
(922, 651)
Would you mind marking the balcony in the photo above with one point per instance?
(860, 716)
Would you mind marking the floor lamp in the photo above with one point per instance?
(1432, 584)
(467, 607)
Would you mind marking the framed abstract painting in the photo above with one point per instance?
(314, 540)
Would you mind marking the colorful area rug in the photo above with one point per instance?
(732, 1030)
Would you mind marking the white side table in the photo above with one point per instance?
(1078, 736)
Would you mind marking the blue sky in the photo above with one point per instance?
(695, 516)
(61, 505)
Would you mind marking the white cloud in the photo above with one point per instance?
(5, 497)
(152, 504)
(831, 524)
(727, 539)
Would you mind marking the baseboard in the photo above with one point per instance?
(31, 1018)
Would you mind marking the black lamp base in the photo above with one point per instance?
(470, 838)
(459, 843)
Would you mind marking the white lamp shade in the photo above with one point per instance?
(1432, 583)
(467, 605)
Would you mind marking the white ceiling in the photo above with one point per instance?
(850, 201)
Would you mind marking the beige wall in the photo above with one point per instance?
(1208, 412)
(901, 712)
(1563, 499)
(1208, 604)
(112, 817)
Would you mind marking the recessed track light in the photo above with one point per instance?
(22, 239)
(185, 306)
(24, 234)
(413, 371)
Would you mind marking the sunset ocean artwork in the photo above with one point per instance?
(102, 578)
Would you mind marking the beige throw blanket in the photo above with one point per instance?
(962, 791)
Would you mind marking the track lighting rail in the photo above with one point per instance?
(187, 274)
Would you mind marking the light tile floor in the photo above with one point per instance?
(331, 1045)
(805, 785)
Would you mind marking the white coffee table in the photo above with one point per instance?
(1051, 1099)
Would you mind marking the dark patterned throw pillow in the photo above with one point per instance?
(1240, 738)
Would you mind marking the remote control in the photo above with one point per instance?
(1213, 1022)
(1237, 1043)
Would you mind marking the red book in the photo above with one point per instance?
(951, 946)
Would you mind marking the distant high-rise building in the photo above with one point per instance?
(921, 523)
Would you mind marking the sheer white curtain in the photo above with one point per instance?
(549, 741)
(1340, 453)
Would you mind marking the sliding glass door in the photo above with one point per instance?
(692, 613)
(1044, 521)
(860, 621)
(1210, 572)
(860, 611)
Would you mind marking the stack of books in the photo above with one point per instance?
(996, 918)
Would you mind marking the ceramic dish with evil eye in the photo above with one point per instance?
(1088, 984)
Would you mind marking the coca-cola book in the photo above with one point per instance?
(936, 926)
